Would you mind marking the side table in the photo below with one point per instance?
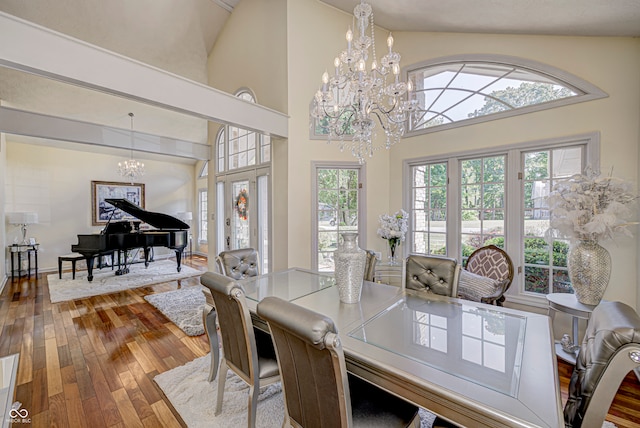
(386, 273)
(19, 249)
(568, 303)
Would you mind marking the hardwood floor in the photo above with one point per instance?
(91, 362)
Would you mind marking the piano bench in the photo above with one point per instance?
(74, 257)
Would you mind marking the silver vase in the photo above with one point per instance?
(589, 267)
(349, 268)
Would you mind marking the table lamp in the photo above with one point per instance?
(23, 219)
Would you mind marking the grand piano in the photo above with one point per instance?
(121, 236)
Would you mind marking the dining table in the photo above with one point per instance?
(473, 364)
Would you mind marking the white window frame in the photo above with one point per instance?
(362, 203)
(514, 207)
(588, 91)
(203, 216)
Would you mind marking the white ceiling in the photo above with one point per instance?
(177, 36)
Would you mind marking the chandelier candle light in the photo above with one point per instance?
(352, 100)
(131, 168)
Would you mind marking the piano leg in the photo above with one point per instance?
(89, 260)
(146, 256)
(179, 258)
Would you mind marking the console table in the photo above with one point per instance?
(19, 249)
(568, 303)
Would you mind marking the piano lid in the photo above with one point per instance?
(157, 220)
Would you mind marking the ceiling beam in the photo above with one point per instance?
(20, 122)
(44, 52)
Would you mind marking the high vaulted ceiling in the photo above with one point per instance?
(177, 36)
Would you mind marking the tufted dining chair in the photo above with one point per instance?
(609, 351)
(318, 391)
(494, 263)
(236, 264)
(248, 352)
(433, 274)
(370, 265)
(239, 264)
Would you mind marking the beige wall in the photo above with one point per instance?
(316, 35)
(251, 53)
(57, 184)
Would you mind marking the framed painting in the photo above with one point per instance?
(101, 210)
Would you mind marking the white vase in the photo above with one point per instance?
(349, 262)
(589, 266)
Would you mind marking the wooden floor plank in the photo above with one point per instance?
(91, 362)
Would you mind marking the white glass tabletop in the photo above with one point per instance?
(288, 285)
(473, 343)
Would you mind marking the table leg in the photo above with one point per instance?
(19, 264)
(13, 269)
(28, 264)
(35, 255)
(575, 339)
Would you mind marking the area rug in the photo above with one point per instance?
(105, 280)
(194, 398)
(183, 307)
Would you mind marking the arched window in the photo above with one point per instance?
(462, 90)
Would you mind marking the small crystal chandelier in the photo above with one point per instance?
(349, 102)
(131, 168)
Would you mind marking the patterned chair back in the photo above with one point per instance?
(492, 262)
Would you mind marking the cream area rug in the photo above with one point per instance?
(183, 307)
(105, 280)
(194, 398)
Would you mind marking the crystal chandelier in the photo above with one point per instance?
(352, 100)
(131, 168)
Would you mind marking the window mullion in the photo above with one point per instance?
(514, 227)
(453, 209)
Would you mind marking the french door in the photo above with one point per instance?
(243, 212)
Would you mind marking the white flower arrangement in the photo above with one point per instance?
(394, 227)
(590, 207)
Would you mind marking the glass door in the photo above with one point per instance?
(243, 207)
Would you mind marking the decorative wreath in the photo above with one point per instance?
(242, 204)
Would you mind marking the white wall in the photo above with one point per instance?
(3, 167)
(56, 183)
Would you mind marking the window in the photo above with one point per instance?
(238, 148)
(482, 189)
(429, 213)
(202, 207)
(545, 263)
(460, 203)
(457, 91)
(338, 200)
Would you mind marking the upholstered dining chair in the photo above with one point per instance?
(609, 351)
(236, 264)
(433, 274)
(370, 265)
(239, 264)
(247, 352)
(318, 392)
(493, 263)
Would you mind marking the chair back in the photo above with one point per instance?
(312, 365)
(236, 329)
(432, 274)
(239, 264)
(492, 262)
(370, 265)
(609, 351)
